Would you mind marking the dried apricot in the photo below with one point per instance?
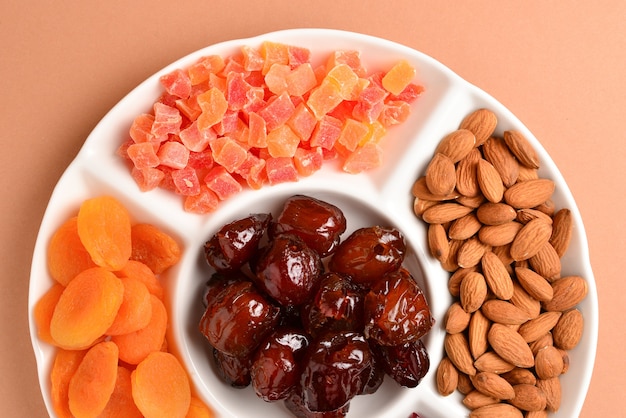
(104, 229)
(153, 247)
(93, 382)
(43, 312)
(86, 308)
(160, 387)
(65, 364)
(121, 403)
(139, 271)
(135, 310)
(135, 346)
(67, 255)
(198, 409)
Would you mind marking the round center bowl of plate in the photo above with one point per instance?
(381, 196)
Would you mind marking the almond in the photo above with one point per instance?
(524, 301)
(473, 291)
(568, 292)
(456, 319)
(552, 389)
(539, 326)
(450, 264)
(504, 312)
(568, 330)
(441, 175)
(510, 346)
(546, 262)
(526, 215)
(447, 377)
(493, 385)
(498, 235)
(498, 154)
(489, 181)
(471, 202)
(444, 212)
(497, 277)
(548, 207)
(498, 410)
(537, 414)
(540, 343)
(534, 284)
(465, 385)
(562, 227)
(476, 399)
(420, 190)
(438, 241)
(457, 144)
(495, 213)
(530, 239)
(526, 173)
(420, 205)
(519, 376)
(529, 194)
(528, 398)
(548, 363)
(464, 227)
(491, 362)
(466, 174)
(471, 252)
(454, 282)
(478, 331)
(482, 123)
(521, 148)
(457, 349)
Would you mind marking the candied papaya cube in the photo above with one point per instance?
(186, 181)
(222, 183)
(252, 59)
(200, 71)
(252, 170)
(344, 78)
(257, 136)
(143, 155)
(276, 78)
(302, 122)
(236, 90)
(196, 140)
(228, 123)
(410, 93)
(206, 201)
(167, 120)
(394, 112)
(218, 82)
(352, 58)
(233, 64)
(255, 100)
(398, 77)
(147, 178)
(213, 105)
(376, 132)
(364, 158)
(370, 103)
(277, 111)
(298, 55)
(228, 153)
(173, 154)
(282, 142)
(301, 80)
(141, 128)
(280, 170)
(324, 98)
(326, 132)
(273, 53)
(352, 134)
(308, 161)
(189, 107)
(177, 83)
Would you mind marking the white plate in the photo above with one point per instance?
(380, 196)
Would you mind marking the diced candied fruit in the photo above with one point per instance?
(324, 98)
(344, 78)
(273, 53)
(364, 158)
(228, 123)
(200, 71)
(194, 139)
(302, 122)
(326, 132)
(222, 182)
(213, 105)
(352, 133)
(298, 55)
(206, 201)
(167, 120)
(252, 59)
(394, 112)
(186, 181)
(351, 58)
(143, 155)
(228, 153)
(189, 107)
(410, 93)
(370, 104)
(236, 91)
(276, 78)
(282, 142)
(147, 178)
(177, 83)
(308, 161)
(258, 131)
(301, 80)
(277, 111)
(280, 170)
(398, 77)
(252, 170)
(141, 128)
(173, 154)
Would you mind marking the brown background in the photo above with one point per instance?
(558, 66)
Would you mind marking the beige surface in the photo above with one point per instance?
(558, 66)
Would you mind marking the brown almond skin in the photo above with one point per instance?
(498, 410)
(530, 239)
(491, 362)
(476, 399)
(510, 346)
(497, 277)
(562, 227)
(473, 291)
(457, 349)
(534, 284)
(521, 148)
(420, 190)
(477, 334)
(441, 175)
(466, 174)
(456, 319)
(539, 326)
(482, 123)
(471, 252)
(568, 292)
(465, 227)
(530, 193)
(438, 242)
(447, 377)
(498, 154)
(493, 385)
(504, 312)
(519, 376)
(490, 181)
(525, 302)
(552, 389)
(444, 212)
(548, 363)
(457, 144)
(568, 330)
(498, 235)
(498, 213)
(546, 262)
(528, 398)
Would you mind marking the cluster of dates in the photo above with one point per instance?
(307, 318)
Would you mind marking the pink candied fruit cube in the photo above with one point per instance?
(189, 107)
(196, 140)
(147, 178)
(370, 104)
(277, 111)
(186, 181)
(308, 161)
(252, 59)
(302, 122)
(352, 58)
(206, 201)
(280, 170)
(228, 153)
(257, 136)
(167, 120)
(177, 83)
(253, 171)
(276, 78)
(200, 71)
(364, 158)
(141, 128)
(300, 80)
(394, 112)
(143, 155)
(221, 182)
(228, 123)
(173, 154)
(410, 93)
(326, 132)
(236, 90)
(282, 142)
(298, 55)
(213, 105)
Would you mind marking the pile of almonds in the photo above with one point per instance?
(493, 226)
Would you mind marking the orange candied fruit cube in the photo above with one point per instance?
(400, 75)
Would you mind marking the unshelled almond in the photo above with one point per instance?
(491, 384)
(420, 190)
(457, 350)
(540, 343)
(457, 319)
(504, 312)
(498, 213)
(476, 399)
(482, 123)
(552, 389)
(530, 239)
(521, 148)
(524, 301)
(497, 277)
(465, 227)
(537, 414)
(526, 215)
(492, 362)
(519, 376)
(546, 262)
(528, 398)
(489, 181)
(466, 174)
(530, 193)
(510, 346)
(478, 331)
(548, 362)
(457, 144)
(471, 252)
(441, 175)
(563, 225)
(498, 154)
(447, 377)
(568, 292)
(498, 235)
(497, 410)
(539, 326)
(568, 330)
(454, 282)
(473, 291)
(442, 213)
(534, 284)
(438, 241)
